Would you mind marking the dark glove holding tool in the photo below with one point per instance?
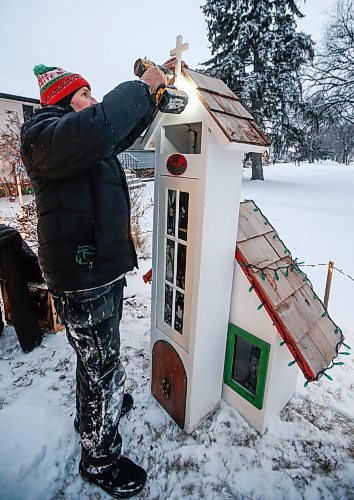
(168, 98)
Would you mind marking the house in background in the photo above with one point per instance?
(23, 106)
(17, 106)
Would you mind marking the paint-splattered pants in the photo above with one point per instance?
(92, 321)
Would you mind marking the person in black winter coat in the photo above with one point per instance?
(69, 149)
(18, 266)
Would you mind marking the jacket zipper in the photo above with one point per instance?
(93, 218)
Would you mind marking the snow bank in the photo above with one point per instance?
(308, 451)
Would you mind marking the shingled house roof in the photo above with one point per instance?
(223, 105)
(286, 293)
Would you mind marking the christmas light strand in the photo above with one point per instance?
(341, 271)
(285, 269)
(344, 274)
(293, 266)
(288, 341)
(287, 251)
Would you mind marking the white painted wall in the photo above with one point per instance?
(216, 261)
(281, 379)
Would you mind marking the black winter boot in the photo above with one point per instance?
(123, 479)
(127, 405)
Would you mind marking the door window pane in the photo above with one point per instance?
(183, 215)
(181, 266)
(246, 364)
(168, 305)
(171, 212)
(170, 259)
(179, 312)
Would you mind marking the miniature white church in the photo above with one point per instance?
(218, 320)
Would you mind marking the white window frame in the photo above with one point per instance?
(189, 186)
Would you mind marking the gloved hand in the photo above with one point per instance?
(154, 77)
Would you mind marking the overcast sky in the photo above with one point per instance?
(102, 38)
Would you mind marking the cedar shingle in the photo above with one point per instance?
(239, 129)
(290, 299)
(236, 122)
(207, 82)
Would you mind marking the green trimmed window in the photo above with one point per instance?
(246, 365)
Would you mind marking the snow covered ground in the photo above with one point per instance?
(308, 451)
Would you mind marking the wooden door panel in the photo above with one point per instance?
(169, 380)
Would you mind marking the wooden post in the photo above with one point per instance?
(54, 318)
(328, 283)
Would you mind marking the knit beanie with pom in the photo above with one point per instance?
(56, 84)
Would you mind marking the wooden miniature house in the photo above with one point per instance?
(197, 192)
(276, 320)
(202, 305)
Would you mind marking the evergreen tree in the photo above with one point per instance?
(257, 51)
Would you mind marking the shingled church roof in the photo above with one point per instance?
(286, 293)
(226, 109)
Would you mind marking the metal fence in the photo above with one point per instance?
(128, 161)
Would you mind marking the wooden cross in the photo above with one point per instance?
(177, 51)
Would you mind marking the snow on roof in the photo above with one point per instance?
(223, 105)
(286, 293)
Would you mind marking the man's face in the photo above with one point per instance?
(82, 99)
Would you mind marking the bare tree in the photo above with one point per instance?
(341, 138)
(10, 163)
(139, 207)
(318, 135)
(333, 75)
(26, 223)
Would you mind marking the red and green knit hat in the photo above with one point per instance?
(56, 83)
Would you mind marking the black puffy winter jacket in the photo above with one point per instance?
(80, 187)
